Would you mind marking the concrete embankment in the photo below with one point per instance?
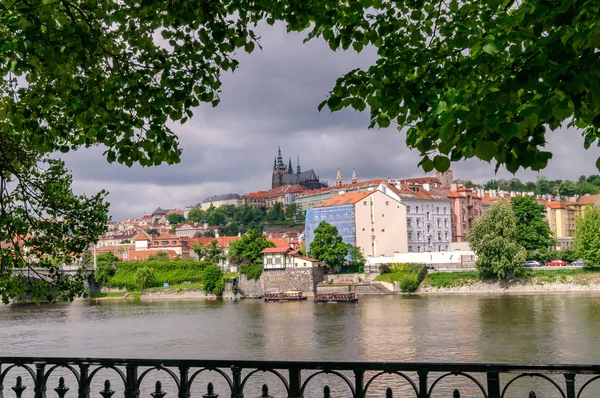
(578, 283)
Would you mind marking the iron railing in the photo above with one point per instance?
(422, 380)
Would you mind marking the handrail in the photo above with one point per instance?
(486, 377)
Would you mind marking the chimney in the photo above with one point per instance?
(427, 187)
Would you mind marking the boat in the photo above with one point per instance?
(336, 298)
(285, 296)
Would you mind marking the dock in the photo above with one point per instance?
(336, 298)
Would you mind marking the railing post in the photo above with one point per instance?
(359, 383)
(493, 384)
(184, 388)
(131, 390)
(84, 388)
(40, 382)
(570, 378)
(236, 387)
(295, 383)
(423, 383)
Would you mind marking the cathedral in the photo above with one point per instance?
(284, 175)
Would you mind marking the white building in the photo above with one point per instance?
(428, 215)
(275, 258)
(221, 200)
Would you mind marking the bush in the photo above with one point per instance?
(144, 278)
(384, 269)
(409, 283)
(174, 272)
(212, 279)
(252, 271)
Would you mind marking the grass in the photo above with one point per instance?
(178, 287)
(451, 279)
(578, 275)
(116, 294)
(409, 276)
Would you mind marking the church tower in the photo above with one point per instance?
(279, 169)
(298, 166)
(354, 179)
(338, 178)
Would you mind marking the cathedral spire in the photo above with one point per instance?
(298, 166)
(290, 168)
(274, 162)
(338, 178)
(279, 158)
(354, 179)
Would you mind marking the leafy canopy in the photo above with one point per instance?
(247, 249)
(494, 239)
(587, 236)
(211, 253)
(533, 231)
(327, 246)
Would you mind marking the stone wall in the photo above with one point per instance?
(250, 287)
(293, 279)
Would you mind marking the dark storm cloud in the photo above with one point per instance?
(271, 101)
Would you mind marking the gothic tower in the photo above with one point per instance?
(354, 179)
(279, 169)
(338, 178)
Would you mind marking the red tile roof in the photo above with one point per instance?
(308, 259)
(285, 189)
(142, 235)
(345, 199)
(587, 199)
(140, 255)
(275, 250)
(256, 195)
(362, 184)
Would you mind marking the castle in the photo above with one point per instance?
(284, 175)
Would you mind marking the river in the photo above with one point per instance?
(548, 328)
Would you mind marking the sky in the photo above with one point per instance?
(270, 101)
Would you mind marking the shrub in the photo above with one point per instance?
(409, 283)
(212, 279)
(384, 269)
(144, 278)
(174, 272)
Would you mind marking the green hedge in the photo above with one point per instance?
(173, 272)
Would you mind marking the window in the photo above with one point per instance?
(418, 236)
(382, 230)
(408, 222)
(269, 260)
(363, 229)
(408, 209)
(304, 264)
(418, 248)
(445, 222)
(437, 210)
(417, 209)
(445, 210)
(387, 202)
(174, 242)
(418, 222)
(410, 236)
(439, 236)
(277, 260)
(428, 217)
(438, 222)
(165, 242)
(446, 235)
(365, 203)
(410, 248)
(382, 215)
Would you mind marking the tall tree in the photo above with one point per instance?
(587, 236)
(247, 249)
(196, 215)
(533, 231)
(276, 213)
(494, 239)
(175, 219)
(210, 253)
(327, 246)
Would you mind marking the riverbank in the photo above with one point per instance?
(541, 281)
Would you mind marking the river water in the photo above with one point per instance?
(549, 328)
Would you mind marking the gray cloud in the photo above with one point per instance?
(271, 101)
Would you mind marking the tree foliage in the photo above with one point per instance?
(327, 246)
(533, 231)
(175, 218)
(144, 277)
(247, 249)
(211, 253)
(494, 239)
(212, 279)
(357, 260)
(587, 236)
(106, 266)
(160, 255)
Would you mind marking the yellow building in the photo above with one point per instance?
(562, 217)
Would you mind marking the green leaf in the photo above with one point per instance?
(426, 164)
(598, 163)
(249, 47)
(441, 163)
(485, 150)
(509, 130)
(440, 107)
(490, 48)
(563, 109)
(383, 120)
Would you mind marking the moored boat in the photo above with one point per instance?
(285, 296)
(336, 298)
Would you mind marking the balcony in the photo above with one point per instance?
(157, 378)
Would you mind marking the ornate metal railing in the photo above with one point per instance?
(294, 379)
